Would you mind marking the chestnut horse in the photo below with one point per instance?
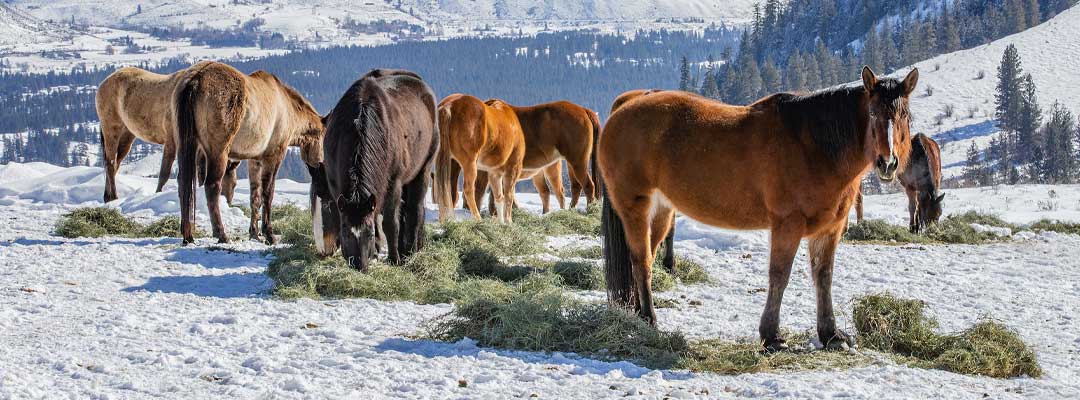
(229, 115)
(921, 180)
(553, 132)
(381, 141)
(788, 163)
(482, 136)
(136, 103)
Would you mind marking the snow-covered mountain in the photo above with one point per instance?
(18, 28)
(965, 81)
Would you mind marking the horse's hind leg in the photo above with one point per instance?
(636, 223)
(509, 181)
(268, 174)
(216, 162)
(391, 223)
(822, 253)
(255, 181)
(167, 159)
(579, 171)
(468, 169)
(784, 241)
(859, 205)
(542, 190)
(553, 174)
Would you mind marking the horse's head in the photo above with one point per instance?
(889, 120)
(929, 209)
(325, 219)
(359, 237)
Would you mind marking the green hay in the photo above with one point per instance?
(954, 229)
(96, 222)
(877, 230)
(580, 275)
(900, 326)
(975, 217)
(589, 253)
(745, 356)
(688, 271)
(561, 222)
(1046, 225)
(163, 227)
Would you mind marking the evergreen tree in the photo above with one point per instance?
(1007, 99)
(889, 53)
(795, 74)
(975, 173)
(684, 74)
(1058, 151)
(1016, 13)
(1028, 120)
(950, 33)
(871, 51)
(1033, 13)
(770, 78)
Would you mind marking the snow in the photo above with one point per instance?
(141, 318)
(954, 81)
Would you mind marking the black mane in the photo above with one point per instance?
(359, 112)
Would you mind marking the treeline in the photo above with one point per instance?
(1027, 149)
(808, 44)
(585, 67)
(66, 146)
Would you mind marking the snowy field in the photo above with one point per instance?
(141, 318)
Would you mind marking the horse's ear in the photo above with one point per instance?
(869, 78)
(940, 197)
(910, 81)
(325, 119)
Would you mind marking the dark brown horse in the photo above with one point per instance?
(921, 180)
(381, 141)
(231, 116)
(788, 163)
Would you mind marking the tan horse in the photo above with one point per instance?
(787, 163)
(554, 132)
(479, 136)
(229, 115)
(136, 103)
(921, 180)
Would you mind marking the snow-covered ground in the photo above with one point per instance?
(966, 80)
(141, 318)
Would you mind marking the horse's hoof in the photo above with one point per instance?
(775, 345)
(837, 341)
(270, 239)
(223, 240)
(187, 241)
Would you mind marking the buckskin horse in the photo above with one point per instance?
(136, 103)
(381, 141)
(229, 115)
(553, 132)
(921, 180)
(788, 163)
(478, 136)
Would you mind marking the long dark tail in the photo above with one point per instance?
(598, 181)
(187, 154)
(618, 270)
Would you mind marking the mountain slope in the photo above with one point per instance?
(1049, 52)
(17, 28)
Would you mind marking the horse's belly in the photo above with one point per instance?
(730, 210)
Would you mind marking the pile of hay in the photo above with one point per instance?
(900, 326)
(95, 222)
(954, 229)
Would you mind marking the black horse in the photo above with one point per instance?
(381, 140)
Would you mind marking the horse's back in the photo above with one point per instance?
(138, 100)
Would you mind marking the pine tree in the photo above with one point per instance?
(1033, 13)
(1028, 120)
(975, 173)
(1007, 99)
(1058, 152)
(684, 74)
(770, 78)
(794, 75)
(889, 53)
(950, 33)
(1017, 16)
(871, 52)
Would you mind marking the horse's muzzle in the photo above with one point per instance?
(887, 169)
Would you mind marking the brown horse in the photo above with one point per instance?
(479, 136)
(553, 132)
(135, 103)
(229, 115)
(788, 163)
(921, 180)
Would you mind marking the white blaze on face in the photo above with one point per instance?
(320, 243)
(891, 151)
(356, 231)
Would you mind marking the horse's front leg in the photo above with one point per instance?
(268, 174)
(391, 223)
(255, 181)
(822, 258)
(167, 159)
(912, 206)
(784, 241)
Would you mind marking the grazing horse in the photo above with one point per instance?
(788, 163)
(136, 103)
(553, 132)
(482, 136)
(381, 141)
(921, 180)
(229, 115)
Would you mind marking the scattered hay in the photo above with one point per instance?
(93, 222)
(878, 230)
(588, 253)
(580, 275)
(900, 326)
(745, 356)
(96, 222)
(1046, 225)
(689, 271)
(954, 229)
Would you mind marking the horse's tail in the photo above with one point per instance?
(187, 131)
(618, 270)
(598, 182)
(443, 187)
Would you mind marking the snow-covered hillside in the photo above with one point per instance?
(18, 28)
(143, 318)
(965, 80)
